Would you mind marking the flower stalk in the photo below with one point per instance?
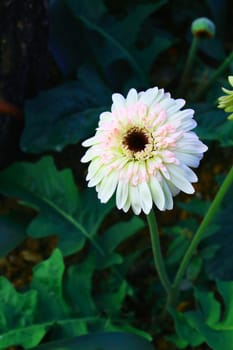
(203, 88)
(198, 236)
(157, 254)
(188, 65)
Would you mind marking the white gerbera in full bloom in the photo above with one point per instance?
(142, 150)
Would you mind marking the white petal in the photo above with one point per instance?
(135, 199)
(167, 195)
(145, 196)
(126, 205)
(93, 168)
(89, 142)
(178, 178)
(105, 116)
(157, 193)
(121, 194)
(98, 177)
(132, 97)
(177, 105)
(189, 159)
(118, 101)
(167, 103)
(182, 115)
(187, 125)
(107, 187)
(190, 143)
(174, 190)
(159, 96)
(89, 155)
(149, 96)
(189, 174)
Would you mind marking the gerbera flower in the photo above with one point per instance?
(226, 102)
(142, 150)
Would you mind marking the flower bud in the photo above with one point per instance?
(203, 28)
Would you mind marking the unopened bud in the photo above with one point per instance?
(203, 28)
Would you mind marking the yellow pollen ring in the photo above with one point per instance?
(137, 143)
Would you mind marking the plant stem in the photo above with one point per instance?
(201, 230)
(204, 87)
(158, 259)
(188, 65)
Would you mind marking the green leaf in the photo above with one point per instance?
(27, 337)
(214, 125)
(78, 286)
(211, 322)
(118, 37)
(16, 317)
(12, 233)
(123, 51)
(194, 268)
(150, 53)
(110, 301)
(47, 281)
(17, 309)
(226, 291)
(70, 113)
(128, 29)
(54, 196)
(113, 237)
(186, 332)
(101, 341)
(220, 265)
(71, 327)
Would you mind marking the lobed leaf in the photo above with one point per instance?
(54, 196)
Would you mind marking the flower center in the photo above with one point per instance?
(137, 143)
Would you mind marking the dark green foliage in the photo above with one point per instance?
(54, 195)
(12, 232)
(103, 341)
(207, 324)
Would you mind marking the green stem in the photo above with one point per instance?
(201, 230)
(188, 65)
(204, 87)
(158, 259)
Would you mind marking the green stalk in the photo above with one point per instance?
(188, 65)
(158, 259)
(201, 230)
(204, 87)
